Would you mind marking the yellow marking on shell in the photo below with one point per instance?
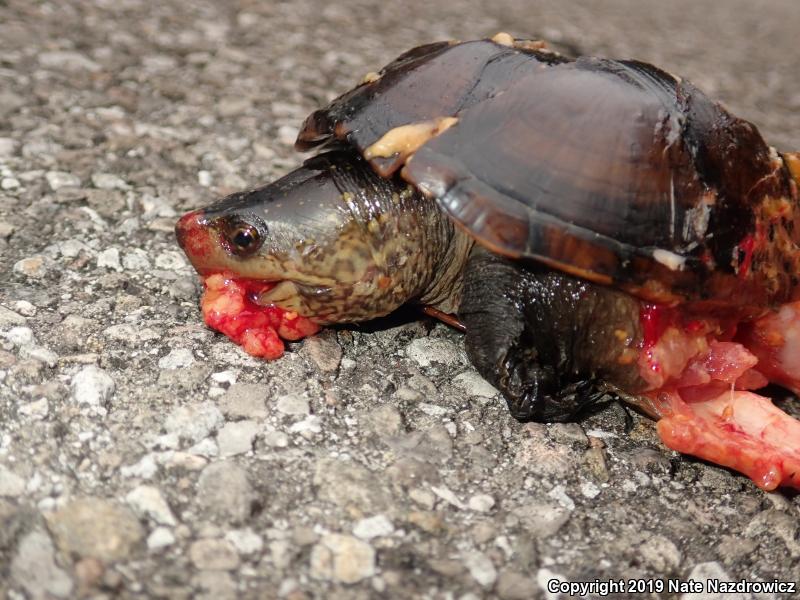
(503, 38)
(531, 44)
(370, 77)
(406, 139)
(674, 262)
(621, 334)
(774, 208)
(792, 160)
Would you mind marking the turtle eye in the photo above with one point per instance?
(242, 238)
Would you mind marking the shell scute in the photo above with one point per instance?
(613, 170)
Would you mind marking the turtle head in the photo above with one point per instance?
(327, 235)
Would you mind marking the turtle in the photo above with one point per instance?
(596, 226)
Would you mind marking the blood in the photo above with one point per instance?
(230, 306)
(746, 246)
(706, 367)
(654, 319)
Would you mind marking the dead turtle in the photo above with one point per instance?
(595, 225)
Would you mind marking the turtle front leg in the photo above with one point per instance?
(547, 341)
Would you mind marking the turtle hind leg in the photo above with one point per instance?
(508, 343)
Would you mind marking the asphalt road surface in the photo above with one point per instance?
(142, 455)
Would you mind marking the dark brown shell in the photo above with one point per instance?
(612, 170)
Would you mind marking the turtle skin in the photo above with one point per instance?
(611, 170)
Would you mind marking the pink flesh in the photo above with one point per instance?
(699, 374)
(229, 306)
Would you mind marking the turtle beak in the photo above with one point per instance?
(188, 225)
(196, 237)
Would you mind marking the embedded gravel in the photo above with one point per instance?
(142, 455)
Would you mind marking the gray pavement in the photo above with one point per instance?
(142, 455)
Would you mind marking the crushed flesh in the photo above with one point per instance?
(701, 373)
(230, 306)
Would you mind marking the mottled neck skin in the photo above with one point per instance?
(419, 251)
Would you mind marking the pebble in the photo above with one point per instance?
(108, 181)
(514, 586)
(204, 178)
(11, 484)
(215, 585)
(423, 497)
(308, 427)
(67, 60)
(244, 401)
(38, 409)
(92, 386)
(448, 496)
(9, 183)
(160, 537)
(349, 484)
(109, 259)
(246, 541)
(571, 434)
(426, 351)
(475, 385)
(171, 260)
(342, 558)
(72, 248)
(6, 229)
(34, 568)
(156, 206)
(9, 318)
(61, 179)
(207, 447)
(324, 351)
(293, 404)
(8, 147)
(372, 527)
(481, 503)
(136, 260)
(32, 266)
(480, 567)
(224, 491)
(559, 494)
(144, 469)
(194, 422)
(541, 519)
(95, 527)
(88, 572)
(237, 438)
(176, 359)
(213, 555)
(660, 553)
(40, 353)
(21, 337)
(276, 439)
(25, 308)
(148, 502)
(590, 490)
